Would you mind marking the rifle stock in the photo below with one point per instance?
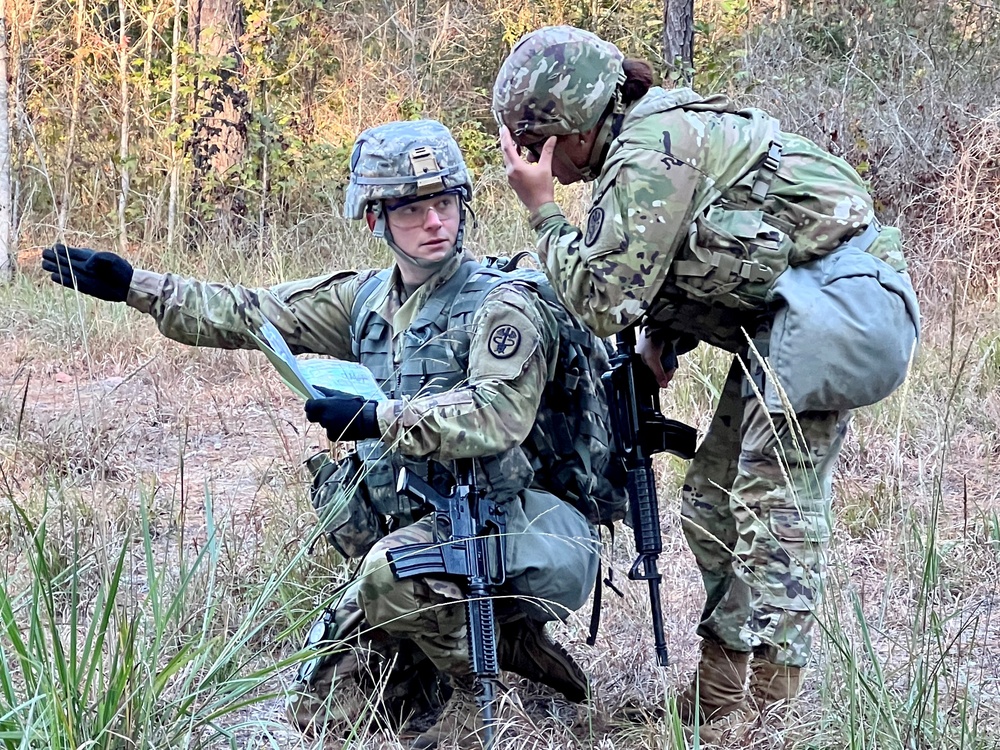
(640, 430)
(474, 552)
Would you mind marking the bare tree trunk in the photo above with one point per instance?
(219, 140)
(175, 162)
(265, 155)
(147, 59)
(6, 208)
(123, 47)
(265, 182)
(678, 39)
(21, 35)
(74, 116)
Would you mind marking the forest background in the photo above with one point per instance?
(159, 555)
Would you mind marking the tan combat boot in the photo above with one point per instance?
(460, 724)
(526, 649)
(717, 689)
(715, 700)
(773, 685)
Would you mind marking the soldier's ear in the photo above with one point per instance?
(370, 216)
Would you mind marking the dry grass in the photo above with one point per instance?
(964, 223)
(131, 420)
(189, 460)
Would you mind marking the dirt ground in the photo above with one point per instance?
(178, 421)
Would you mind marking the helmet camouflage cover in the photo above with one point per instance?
(408, 159)
(556, 81)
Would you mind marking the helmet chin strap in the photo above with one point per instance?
(611, 126)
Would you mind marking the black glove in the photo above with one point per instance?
(103, 275)
(344, 416)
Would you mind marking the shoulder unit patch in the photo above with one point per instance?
(504, 341)
(594, 223)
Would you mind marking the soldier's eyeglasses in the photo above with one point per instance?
(413, 214)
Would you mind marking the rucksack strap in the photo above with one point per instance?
(595, 610)
(510, 264)
(865, 239)
(767, 169)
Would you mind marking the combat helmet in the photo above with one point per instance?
(402, 161)
(557, 80)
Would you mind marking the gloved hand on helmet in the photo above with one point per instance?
(103, 275)
(344, 416)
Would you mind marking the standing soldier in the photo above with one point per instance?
(711, 224)
(463, 356)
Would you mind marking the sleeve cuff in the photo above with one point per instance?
(144, 290)
(387, 413)
(543, 213)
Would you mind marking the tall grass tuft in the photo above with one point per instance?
(115, 664)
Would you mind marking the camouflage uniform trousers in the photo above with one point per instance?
(551, 555)
(756, 514)
(387, 630)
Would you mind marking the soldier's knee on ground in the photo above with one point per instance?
(428, 611)
(336, 648)
(525, 648)
(306, 710)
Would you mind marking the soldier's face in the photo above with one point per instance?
(571, 156)
(426, 229)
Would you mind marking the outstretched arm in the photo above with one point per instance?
(312, 315)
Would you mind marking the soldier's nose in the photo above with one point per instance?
(432, 220)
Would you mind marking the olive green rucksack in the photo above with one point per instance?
(570, 442)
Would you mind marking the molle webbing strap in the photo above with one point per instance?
(440, 298)
(474, 290)
(768, 168)
(729, 265)
(360, 310)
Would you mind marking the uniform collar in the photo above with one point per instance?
(387, 299)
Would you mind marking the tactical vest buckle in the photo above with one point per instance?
(755, 273)
(747, 270)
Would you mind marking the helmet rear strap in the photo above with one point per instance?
(379, 228)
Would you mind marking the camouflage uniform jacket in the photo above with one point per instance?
(677, 160)
(489, 414)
